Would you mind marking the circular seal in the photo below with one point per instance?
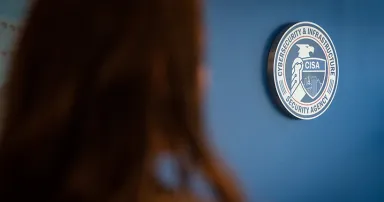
(304, 69)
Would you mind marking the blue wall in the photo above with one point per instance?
(338, 157)
(12, 10)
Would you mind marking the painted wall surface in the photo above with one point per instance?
(338, 157)
(13, 10)
(11, 13)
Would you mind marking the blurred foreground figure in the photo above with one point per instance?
(97, 91)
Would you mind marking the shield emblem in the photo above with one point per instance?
(313, 75)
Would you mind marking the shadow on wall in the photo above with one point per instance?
(267, 73)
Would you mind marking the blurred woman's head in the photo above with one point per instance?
(96, 91)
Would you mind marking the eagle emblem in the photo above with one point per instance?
(308, 73)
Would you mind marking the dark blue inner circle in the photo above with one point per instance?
(293, 54)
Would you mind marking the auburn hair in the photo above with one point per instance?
(93, 87)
